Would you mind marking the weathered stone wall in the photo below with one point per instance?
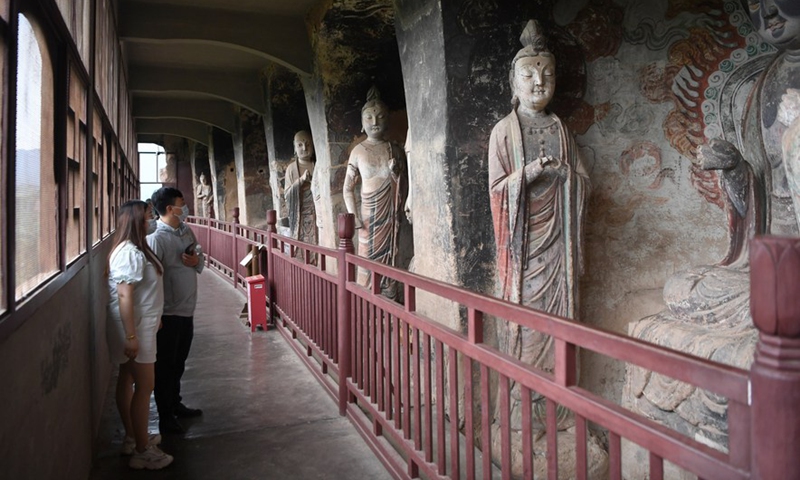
(355, 48)
(200, 165)
(651, 213)
(223, 173)
(179, 163)
(256, 175)
(286, 115)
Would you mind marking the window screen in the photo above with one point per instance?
(36, 225)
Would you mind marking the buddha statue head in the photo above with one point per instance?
(303, 146)
(374, 116)
(777, 21)
(533, 71)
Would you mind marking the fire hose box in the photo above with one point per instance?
(256, 302)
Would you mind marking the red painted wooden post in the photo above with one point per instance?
(207, 246)
(775, 374)
(235, 259)
(272, 220)
(346, 228)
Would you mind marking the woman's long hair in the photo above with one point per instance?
(130, 227)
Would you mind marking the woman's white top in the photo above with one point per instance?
(128, 264)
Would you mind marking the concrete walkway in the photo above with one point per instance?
(265, 416)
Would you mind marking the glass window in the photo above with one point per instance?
(36, 224)
(152, 159)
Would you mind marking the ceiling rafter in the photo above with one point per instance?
(278, 38)
(240, 88)
(217, 113)
(190, 129)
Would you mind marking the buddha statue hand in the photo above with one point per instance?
(718, 154)
(358, 222)
(407, 210)
(724, 158)
(534, 169)
(305, 177)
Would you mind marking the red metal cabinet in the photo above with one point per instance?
(256, 302)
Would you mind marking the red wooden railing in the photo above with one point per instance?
(226, 243)
(403, 373)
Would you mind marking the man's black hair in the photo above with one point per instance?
(164, 197)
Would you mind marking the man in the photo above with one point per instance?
(176, 247)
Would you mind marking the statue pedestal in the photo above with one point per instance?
(708, 316)
(596, 455)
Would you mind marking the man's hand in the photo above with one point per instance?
(190, 260)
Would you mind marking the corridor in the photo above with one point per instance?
(265, 416)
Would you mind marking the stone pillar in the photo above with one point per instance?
(178, 171)
(196, 209)
(286, 115)
(223, 173)
(775, 373)
(237, 140)
(253, 178)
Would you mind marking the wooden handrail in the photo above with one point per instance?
(370, 343)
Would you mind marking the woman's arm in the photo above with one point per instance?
(126, 311)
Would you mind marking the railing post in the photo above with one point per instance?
(235, 259)
(272, 219)
(207, 221)
(775, 373)
(346, 228)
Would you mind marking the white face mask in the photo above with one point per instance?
(184, 213)
(151, 226)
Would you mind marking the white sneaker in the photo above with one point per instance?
(129, 444)
(152, 459)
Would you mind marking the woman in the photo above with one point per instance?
(135, 306)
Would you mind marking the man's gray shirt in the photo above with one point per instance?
(180, 281)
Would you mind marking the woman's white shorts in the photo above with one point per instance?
(146, 330)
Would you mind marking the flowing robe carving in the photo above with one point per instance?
(381, 206)
(538, 234)
(300, 205)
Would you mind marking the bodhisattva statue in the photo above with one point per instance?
(297, 190)
(708, 307)
(380, 167)
(538, 189)
(205, 197)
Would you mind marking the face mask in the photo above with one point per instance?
(151, 226)
(184, 213)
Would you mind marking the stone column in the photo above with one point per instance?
(223, 173)
(286, 115)
(237, 141)
(254, 189)
(775, 373)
